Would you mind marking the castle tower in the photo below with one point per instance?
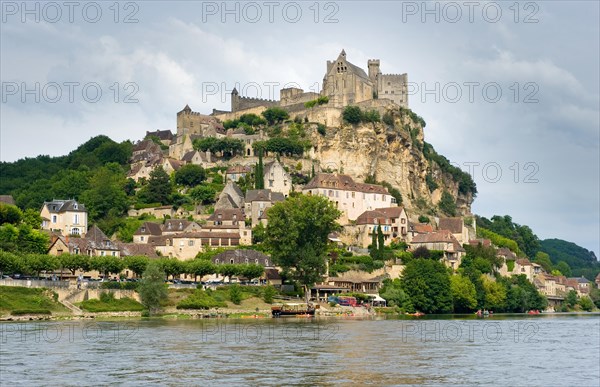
(374, 70)
(235, 100)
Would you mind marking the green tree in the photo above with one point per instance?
(228, 270)
(380, 244)
(297, 235)
(107, 265)
(74, 262)
(10, 214)
(137, 264)
(152, 288)
(447, 204)
(106, 195)
(543, 260)
(200, 267)
(427, 283)
(9, 262)
(204, 194)
(235, 294)
(564, 268)
(586, 303)
(259, 181)
(464, 295)
(571, 299)
(268, 294)
(275, 115)
(251, 271)
(32, 218)
(190, 175)
(158, 189)
(394, 295)
(495, 294)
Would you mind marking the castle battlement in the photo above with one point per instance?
(257, 99)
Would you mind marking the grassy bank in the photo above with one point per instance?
(17, 301)
(108, 303)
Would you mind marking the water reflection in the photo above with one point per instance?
(513, 350)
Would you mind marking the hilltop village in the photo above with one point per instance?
(356, 143)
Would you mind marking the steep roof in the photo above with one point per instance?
(227, 214)
(441, 236)
(420, 228)
(263, 195)
(372, 217)
(60, 206)
(161, 134)
(454, 225)
(96, 235)
(343, 182)
(177, 224)
(149, 228)
(129, 249)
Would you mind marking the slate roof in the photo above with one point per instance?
(227, 214)
(149, 228)
(60, 206)
(263, 195)
(240, 256)
(129, 249)
(162, 134)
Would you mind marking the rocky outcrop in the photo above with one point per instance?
(390, 153)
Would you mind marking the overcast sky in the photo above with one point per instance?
(508, 91)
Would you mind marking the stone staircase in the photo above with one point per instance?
(68, 298)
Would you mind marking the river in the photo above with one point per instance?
(545, 350)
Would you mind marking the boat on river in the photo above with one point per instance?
(294, 309)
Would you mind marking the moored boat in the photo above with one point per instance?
(293, 309)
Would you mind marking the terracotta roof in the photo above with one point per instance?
(441, 236)
(523, 262)
(480, 241)
(175, 164)
(421, 228)
(343, 182)
(454, 225)
(372, 217)
(204, 234)
(505, 252)
(238, 169)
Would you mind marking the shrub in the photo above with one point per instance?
(388, 119)
(321, 129)
(200, 300)
(423, 219)
(21, 312)
(268, 294)
(352, 114)
(235, 294)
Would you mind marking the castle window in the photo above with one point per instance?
(142, 238)
(53, 218)
(190, 243)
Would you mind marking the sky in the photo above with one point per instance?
(509, 90)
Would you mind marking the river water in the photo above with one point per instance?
(546, 350)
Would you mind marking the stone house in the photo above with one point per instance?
(236, 172)
(165, 136)
(276, 178)
(145, 231)
(457, 227)
(187, 245)
(392, 220)
(203, 159)
(67, 216)
(174, 226)
(257, 202)
(231, 197)
(95, 243)
(416, 229)
(441, 240)
(348, 196)
(242, 257)
(171, 165)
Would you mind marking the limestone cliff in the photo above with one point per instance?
(393, 152)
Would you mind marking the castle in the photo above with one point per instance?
(344, 84)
